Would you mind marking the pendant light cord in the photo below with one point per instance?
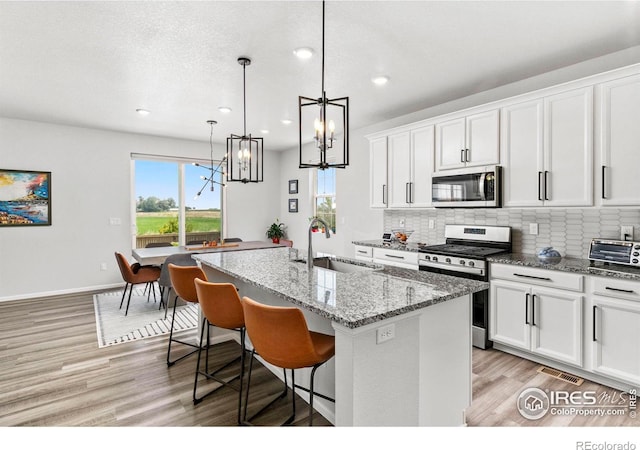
(244, 96)
(323, 50)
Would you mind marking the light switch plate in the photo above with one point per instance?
(533, 228)
(626, 233)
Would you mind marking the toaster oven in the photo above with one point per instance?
(614, 251)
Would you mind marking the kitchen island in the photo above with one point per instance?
(403, 337)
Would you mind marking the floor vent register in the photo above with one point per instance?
(561, 375)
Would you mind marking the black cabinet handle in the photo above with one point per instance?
(364, 252)
(384, 194)
(539, 183)
(626, 291)
(526, 309)
(594, 323)
(466, 155)
(531, 276)
(406, 193)
(461, 155)
(533, 310)
(603, 183)
(394, 256)
(546, 184)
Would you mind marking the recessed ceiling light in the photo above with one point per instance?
(303, 52)
(286, 121)
(142, 112)
(224, 109)
(380, 80)
(264, 131)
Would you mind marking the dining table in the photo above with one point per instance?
(157, 255)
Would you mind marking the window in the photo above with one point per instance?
(168, 210)
(325, 204)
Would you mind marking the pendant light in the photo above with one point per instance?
(244, 153)
(325, 122)
(213, 170)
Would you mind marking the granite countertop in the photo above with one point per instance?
(352, 299)
(379, 243)
(576, 265)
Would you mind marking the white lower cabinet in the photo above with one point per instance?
(615, 329)
(543, 321)
(397, 258)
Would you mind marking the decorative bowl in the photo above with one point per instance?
(401, 235)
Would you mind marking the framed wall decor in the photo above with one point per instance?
(25, 198)
(293, 186)
(293, 205)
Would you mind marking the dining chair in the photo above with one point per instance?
(183, 283)
(281, 337)
(221, 307)
(134, 274)
(179, 259)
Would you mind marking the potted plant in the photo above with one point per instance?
(275, 231)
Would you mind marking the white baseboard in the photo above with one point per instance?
(61, 292)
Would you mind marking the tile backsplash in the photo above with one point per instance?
(568, 230)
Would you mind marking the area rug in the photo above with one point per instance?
(144, 319)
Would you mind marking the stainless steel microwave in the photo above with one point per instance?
(478, 187)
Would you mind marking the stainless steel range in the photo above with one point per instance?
(465, 254)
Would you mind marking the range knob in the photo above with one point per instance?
(447, 260)
(427, 258)
(435, 258)
(636, 254)
(637, 247)
(471, 264)
(461, 262)
(635, 261)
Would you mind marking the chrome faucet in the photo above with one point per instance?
(315, 221)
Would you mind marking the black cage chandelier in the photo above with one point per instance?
(244, 153)
(208, 180)
(325, 122)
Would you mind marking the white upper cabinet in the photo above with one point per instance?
(567, 179)
(401, 167)
(618, 180)
(378, 172)
(522, 154)
(468, 141)
(547, 147)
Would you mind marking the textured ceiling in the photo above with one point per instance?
(93, 63)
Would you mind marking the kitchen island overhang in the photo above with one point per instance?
(403, 337)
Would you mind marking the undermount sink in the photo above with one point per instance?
(325, 262)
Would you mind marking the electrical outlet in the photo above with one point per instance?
(115, 221)
(626, 233)
(385, 333)
(432, 224)
(402, 222)
(533, 228)
(103, 266)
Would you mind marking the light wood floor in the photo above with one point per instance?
(52, 373)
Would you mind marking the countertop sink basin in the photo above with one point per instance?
(324, 262)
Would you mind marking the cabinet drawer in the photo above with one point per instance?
(364, 251)
(612, 287)
(396, 257)
(539, 277)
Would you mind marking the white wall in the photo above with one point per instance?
(355, 220)
(90, 183)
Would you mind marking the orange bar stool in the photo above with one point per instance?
(221, 307)
(281, 337)
(183, 282)
(133, 274)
